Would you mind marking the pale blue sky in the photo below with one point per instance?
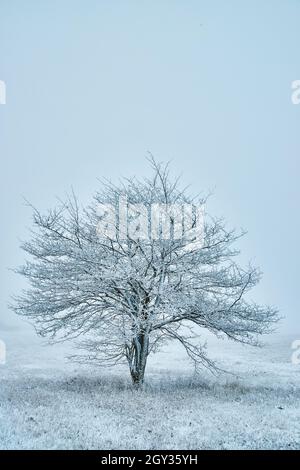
(92, 85)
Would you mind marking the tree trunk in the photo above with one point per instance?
(137, 359)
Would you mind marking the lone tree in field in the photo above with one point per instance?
(137, 268)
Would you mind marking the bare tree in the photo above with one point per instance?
(126, 292)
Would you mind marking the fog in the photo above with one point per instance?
(207, 85)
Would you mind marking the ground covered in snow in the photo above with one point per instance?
(49, 403)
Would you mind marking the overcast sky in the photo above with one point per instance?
(93, 85)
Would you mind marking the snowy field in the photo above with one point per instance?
(48, 403)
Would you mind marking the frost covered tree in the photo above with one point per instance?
(136, 269)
